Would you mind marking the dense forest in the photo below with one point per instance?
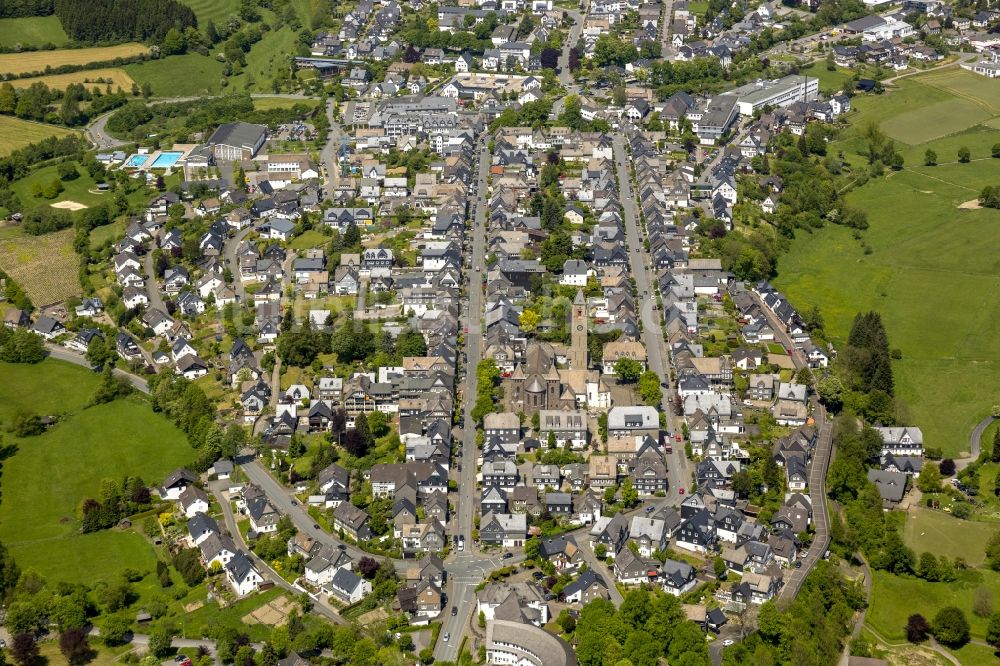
(18, 8)
(116, 20)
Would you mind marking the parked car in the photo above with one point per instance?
(508, 555)
(728, 642)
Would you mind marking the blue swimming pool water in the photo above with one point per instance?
(166, 160)
(136, 160)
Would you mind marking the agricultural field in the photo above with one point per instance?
(32, 31)
(16, 133)
(91, 78)
(45, 266)
(38, 520)
(179, 76)
(37, 61)
(927, 259)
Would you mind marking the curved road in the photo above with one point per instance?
(975, 445)
(62, 354)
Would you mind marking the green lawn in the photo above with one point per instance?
(932, 272)
(943, 534)
(78, 190)
(309, 239)
(44, 482)
(210, 617)
(179, 76)
(895, 598)
(86, 558)
(32, 31)
(108, 232)
(829, 81)
(698, 7)
(975, 655)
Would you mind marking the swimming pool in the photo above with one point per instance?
(136, 161)
(166, 160)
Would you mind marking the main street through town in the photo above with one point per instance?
(468, 570)
(652, 329)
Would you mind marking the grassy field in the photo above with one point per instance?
(942, 534)
(213, 10)
(201, 75)
(108, 232)
(49, 653)
(38, 519)
(116, 76)
(16, 133)
(32, 31)
(78, 190)
(975, 655)
(309, 239)
(895, 598)
(37, 61)
(267, 103)
(932, 269)
(829, 81)
(264, 59)
(45, 266)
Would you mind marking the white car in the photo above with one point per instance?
(728, 642)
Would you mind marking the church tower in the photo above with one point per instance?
(578, 348)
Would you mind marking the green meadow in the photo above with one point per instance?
(931, 268)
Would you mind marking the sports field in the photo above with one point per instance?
(37, 61)
(32, 31)
(45, 266)
(43, 483)
(932, 271)
(16, 133)
(116, 76)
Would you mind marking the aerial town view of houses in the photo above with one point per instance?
(518, 332)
